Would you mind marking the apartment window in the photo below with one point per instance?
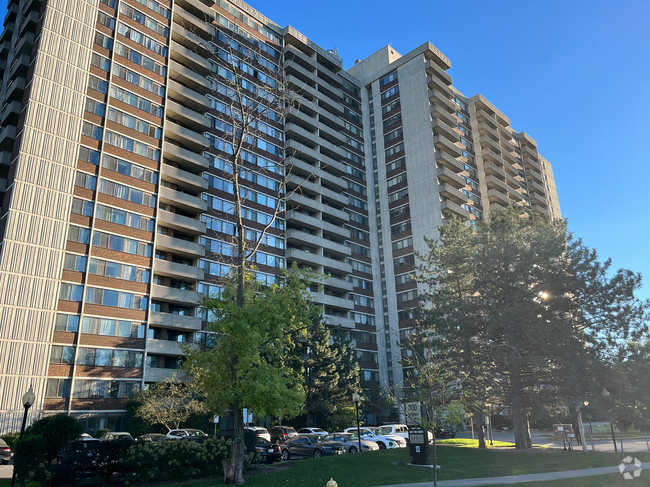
(366, 356)
(71, 292)
(126, 193)
(140, 59)
(144, 20)
(78, 234)
(91, 130)
(404, 315)
(69, 323)
(105, 20)
(393, 135)
(403, 279)
(398, 195)
(137, 80)
(362, 319)
(356, 217)
(392, 120)
(143, 40)
(358, 234)
(357, 202)
(391, 106)
(387, 79)
(156, 7)
(121, 244)
(402, 210)
(396, 164)
(110, 327)
(74, 263)
(358, 249)
(58, 388)
(101, 357)
(86, 181)
(400, 227)
(118, 271)
(133, 123)
(136, 101)
(404, 261)
(62, 355)
(115, 299)
(356, 172)
(125, 218)
(352, 186)
(360, 283)
(130, 169)
(88, 155)
(387, 94)
(402, 244)
(103, 41)
(407, 296)
(401, 178)
(95, 107)
(131, 145)
(364, 301)
(394, 150)
(359, 266)
(94, 83)
(104, 389)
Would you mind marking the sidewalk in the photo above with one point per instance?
(515, 479)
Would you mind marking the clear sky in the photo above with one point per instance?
(574, 74)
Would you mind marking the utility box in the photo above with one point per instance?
(419, 445)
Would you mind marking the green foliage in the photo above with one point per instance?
(30, 458)
(57, 431)
(11, 438)
(344, 417)
(518, 303)
(249, 363)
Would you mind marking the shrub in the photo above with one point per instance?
(30, 459)
(102, 432)
(57, 431)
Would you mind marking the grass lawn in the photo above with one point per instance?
(467, 443)
(376, 468)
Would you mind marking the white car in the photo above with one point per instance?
(186, 433)
(394, 430)
(383, 441)
(311, 431)
(351, 442)
(260, 432)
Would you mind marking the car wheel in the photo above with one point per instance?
(317, 454)
(353, 449)
(381, 445)
(286, 455)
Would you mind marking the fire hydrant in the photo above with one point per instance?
(332, 483)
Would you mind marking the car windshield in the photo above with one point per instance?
(318, 430)
(261, 441)
(351, 436)
(383, 431)
(321, 439)
(196, 433)
(3, 444)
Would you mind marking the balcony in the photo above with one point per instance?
(316, 223)
(535, 175)
(187, 116)
(526, 151)
(509, 157)
(170, 320)
(296, 237)
(189, 78)
(433, 69)
(181, 223)
(510, 169)
(177, 271)
(180, 247)
(490, 143)
(538, 199)
(184, 158)
(493, 182)
(491, 168)
(452, 194)
(25, 44)
(183, 201)
(187, 96)
(189, 58)
(15, 89)
(527, 140)
(186, 137)
(158, 375)
(185, 181)
(531, 164)
(315, 260)
(436, 96)
(442, 128)
(490, 155)
(11, 110)
(332, 301)
(7, 137)
(497, 205)
(337, 283)
(434, 82)
(173, 295)
(451, 178)
(5, 158)
(164, 347)
(451, 208)
(445, 160)
(514, 194)
(497, 196)
(533, 187)
(438, 111)
(190, 40)
(485, 129)
(443, 144)
(192, 23)
(539, 209)
(293, 181)
(292, 54)
(483, 116)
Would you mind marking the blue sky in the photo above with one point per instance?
(574, 74)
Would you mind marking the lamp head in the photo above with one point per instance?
(29, 397)
(355, 397)
(604, 392)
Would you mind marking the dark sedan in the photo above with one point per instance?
(310, 447)
(270, 452)
(5, 452)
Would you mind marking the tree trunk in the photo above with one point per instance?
(479, 419)
(233, 467)
(519, 411)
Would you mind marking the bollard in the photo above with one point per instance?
(332, 483)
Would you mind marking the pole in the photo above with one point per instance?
(435, 459)
(582, 430)
(491, 435)
(356, 404)
(591, 433)
(22, 432)
(621, 435)
(471, 422)
(613, 437)
(645, 434)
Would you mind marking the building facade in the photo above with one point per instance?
(117, 197)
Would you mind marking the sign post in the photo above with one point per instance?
(419, 445)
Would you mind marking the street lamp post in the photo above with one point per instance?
(28, 399)
(356, 398)
(605, 393)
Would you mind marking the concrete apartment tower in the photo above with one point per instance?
(115, 196)
(434, 153)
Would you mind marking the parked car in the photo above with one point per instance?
(260, 432)
(350, 442)
(395, 430)
(151, 438)
(189, 434)
(444, 433)
(280, 434)
(383, 441)
(310, 446)
(5, 452)
(117, 436)
(270, 452)
(311, 431)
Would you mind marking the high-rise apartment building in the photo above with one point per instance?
(117, 197)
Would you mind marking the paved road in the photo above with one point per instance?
(6, 471)
(515, 479)
(542, 439)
